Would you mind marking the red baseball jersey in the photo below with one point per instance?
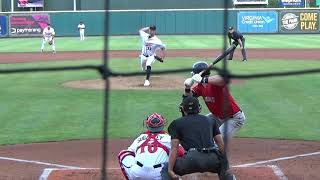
(213, 96)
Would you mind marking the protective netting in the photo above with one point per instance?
(106, 73)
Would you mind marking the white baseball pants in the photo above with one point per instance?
(81, 35)
(233, 124)
(146, 61)
(47, 39)
(135, 172)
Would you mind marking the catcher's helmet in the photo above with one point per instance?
(155, 122)
(190, 105)
(200, 66)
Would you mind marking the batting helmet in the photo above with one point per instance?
(200, 66)
(155, 122)
(190, 105)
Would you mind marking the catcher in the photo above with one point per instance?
(145, 157)
(48, 36)
(152, 49)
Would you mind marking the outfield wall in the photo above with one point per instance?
(63, 5)
(180, 21)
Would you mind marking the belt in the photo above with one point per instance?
(146, 55)
(232, 116)
(204, 150)
(235, 114)
(154, 166)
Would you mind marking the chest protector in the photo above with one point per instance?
(152, 144)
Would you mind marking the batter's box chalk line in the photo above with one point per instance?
(278, 159)
(49, 170)
(46, 172)
(276, 170)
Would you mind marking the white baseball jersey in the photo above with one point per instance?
(144, 158)
(151, 149)
(149, 45)
(48, 33)
(81, 27)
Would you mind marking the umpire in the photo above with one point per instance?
(197, 134)
(238, 39)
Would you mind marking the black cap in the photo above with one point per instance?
(231, 28)
(153, 27)
(190, 105)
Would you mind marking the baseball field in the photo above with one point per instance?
(53, 120)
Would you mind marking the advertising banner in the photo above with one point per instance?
(299, 21)
(250, 2)
(258, 21)
(28, 25)
(291, 3)
(3, 26)
(30, 3)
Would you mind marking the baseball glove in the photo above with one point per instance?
(50, 43)
(158, 58)
(160, 54)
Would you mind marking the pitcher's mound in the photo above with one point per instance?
(135, 82)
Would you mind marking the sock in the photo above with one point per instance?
(148, 72)
(231, 55)
(244, 55)
(42, 45)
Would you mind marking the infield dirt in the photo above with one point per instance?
(302, 54)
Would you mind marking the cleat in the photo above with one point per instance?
(146, 83)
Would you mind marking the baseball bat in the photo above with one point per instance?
(220, 57)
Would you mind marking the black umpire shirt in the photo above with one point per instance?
(194, 131)
(235, 36)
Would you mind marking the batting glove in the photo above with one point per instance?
(188, 82)
(197, 78)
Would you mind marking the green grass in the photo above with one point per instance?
(35, 107)
(172, 42)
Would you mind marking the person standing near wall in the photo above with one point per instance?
(81, 28)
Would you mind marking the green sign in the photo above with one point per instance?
(318, 2)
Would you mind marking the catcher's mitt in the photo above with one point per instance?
(50, 43)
